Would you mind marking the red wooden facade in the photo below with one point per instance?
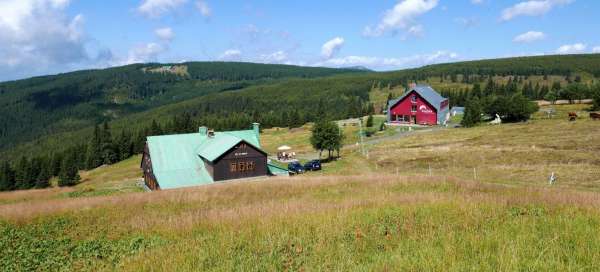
(413, 109)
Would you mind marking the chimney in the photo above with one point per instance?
(412, 86)
(203, 131)
(256, 128)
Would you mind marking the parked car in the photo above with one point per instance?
(295, 168)
(313, 165)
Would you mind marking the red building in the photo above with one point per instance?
(420, 104)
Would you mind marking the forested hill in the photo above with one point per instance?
(34, 107)
(87, 118)
(520, 66)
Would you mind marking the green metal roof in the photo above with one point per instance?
(177, 159)
(277, 171)
(213, 147)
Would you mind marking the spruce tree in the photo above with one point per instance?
(23, 177)
(43, 179)
(124, 145)
(69, 174)
(94, 152)
(7, 177)
(473, 111)
(596, 97)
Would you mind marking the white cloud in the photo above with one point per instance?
(38, 37)
(203, 8)
(402, 16)
(529, 36)
(231, 55)
(416, 30)
(275, 57)
(467, 22)
(477, 2)
(332, 47)
(164, 34)
(531, 8)
(572, 48)
(596, 49)
(378, 63)
(145, 53)
(157, 8)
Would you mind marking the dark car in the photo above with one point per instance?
(295, 168)
(313, 165)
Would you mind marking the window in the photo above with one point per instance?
(244, 166)
(413, 108)
(413, 98)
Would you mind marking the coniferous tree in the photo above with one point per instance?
(125, 145)
(94, 152)
(43, 179)
(69, 174)
(7, 177)
(109, 156)
(55, 163)
(596, 97)
(23, 177)
(473, 111)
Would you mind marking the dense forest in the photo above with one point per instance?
(56, 125)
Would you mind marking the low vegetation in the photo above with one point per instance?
(446, 199)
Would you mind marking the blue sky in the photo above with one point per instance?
(40, 37)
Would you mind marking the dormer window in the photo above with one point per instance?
(413, 98)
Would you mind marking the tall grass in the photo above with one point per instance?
(371, 222)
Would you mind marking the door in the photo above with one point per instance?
(414, 119)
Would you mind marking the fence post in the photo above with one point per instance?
(474, 173)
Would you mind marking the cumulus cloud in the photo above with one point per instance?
(531, 8)
(401, 17)
(203, 8)
(145, 53)
(231, 55)
(164, 34)
(332, 47)
(37, 36)
(157, 8)
(596, 49)
(576, 48)
(529, 36)
(378, 63)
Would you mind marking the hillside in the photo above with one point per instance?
(45, 118)
(40, 106)
(414, 203)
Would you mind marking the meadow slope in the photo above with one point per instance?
(387, 212)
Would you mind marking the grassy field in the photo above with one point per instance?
(387, 212)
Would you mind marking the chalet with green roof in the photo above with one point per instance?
(205, 157)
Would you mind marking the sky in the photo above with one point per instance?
(39, 37)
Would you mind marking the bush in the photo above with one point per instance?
(596, 97)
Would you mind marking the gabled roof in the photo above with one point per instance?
(177, 159)
(425, 91)
(213, 147)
